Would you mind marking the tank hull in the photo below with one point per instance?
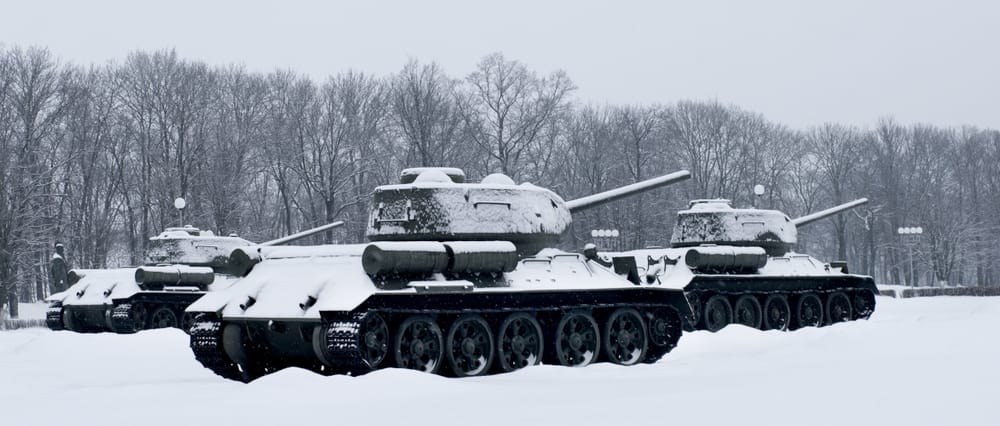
(324, 323)
(111, 301)
(785, 292)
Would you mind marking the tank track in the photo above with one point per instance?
(697, 299)
(122, 320)
(206, 343)
(54, 318)
(343, 343)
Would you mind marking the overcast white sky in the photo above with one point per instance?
(800, 63)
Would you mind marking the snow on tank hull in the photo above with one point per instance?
(328, 313)
(85, 307)
(743, 285)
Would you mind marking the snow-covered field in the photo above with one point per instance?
(932, 361)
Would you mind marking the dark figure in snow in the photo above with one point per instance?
(59, 269)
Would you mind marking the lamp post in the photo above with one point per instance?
(758, 190)
(606, 237)
(909, 236)
(180, 204)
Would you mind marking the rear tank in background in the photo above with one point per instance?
(181, 264)
(459, 279)
(737, 267)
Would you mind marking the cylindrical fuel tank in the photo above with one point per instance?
(726, 258)
(481, 256)
(404, 257)
(175, 274)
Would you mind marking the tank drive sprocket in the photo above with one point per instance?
(54, 318)
(206, 343)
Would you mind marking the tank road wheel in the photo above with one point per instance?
(747, 311)
(664, 328)
(140, 317)
(375, 339)
(519, 342)
(808, 311)
(838, 308)
(718, 313)
(469, 346)
(577, 339)
(418, 344)
(777, 313)
(625, 340)
(864, 304)
(163, 317)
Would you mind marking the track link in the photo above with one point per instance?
(122, 320)
(54, 318)
(343, 343)
(206, 343)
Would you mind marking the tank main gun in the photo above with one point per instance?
(823, 214)
(242, 260)
(601, 198)
(300, 235)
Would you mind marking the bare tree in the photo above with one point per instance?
(509, 107)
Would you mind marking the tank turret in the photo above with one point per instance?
(437, 205)
(716, 222)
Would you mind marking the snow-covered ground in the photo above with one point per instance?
(35, 310)
(930, 361)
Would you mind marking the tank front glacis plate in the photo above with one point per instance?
(101, 286)
(733, 226)
(448, 211)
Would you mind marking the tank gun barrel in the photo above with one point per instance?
(303, 234)
(605, 197)
(810, 218)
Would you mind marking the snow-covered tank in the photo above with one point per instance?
(738, 266)
(459, 279)
(181, 264)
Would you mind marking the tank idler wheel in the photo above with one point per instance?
(163, 317)
(718, 313)
(235, 344)
(747, 311)
(864, 304)
(777, 313)
(577, 341)
(838, 308)
(419, 344)
(808, 311)
(519, 342)
(374, 339)
(469, 346)
(625, 340)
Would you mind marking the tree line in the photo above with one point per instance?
(93, 157)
